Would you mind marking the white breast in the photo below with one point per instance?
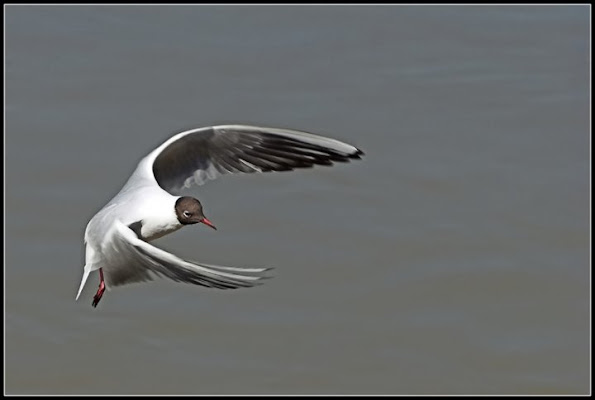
(156, 213)
(149, 206)
(154, 228)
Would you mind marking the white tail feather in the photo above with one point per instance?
(85, 276)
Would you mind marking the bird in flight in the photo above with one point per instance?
(149, 207)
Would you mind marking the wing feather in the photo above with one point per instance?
(134, 260)
(198, 155)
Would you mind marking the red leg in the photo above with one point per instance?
(101, 289)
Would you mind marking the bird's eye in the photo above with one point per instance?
(187, 214)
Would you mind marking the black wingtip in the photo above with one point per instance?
(357, 155)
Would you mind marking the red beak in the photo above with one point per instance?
(208, 223)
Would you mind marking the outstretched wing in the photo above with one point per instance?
(195, 156)
(133, 260)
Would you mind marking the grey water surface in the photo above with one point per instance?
(454, 258)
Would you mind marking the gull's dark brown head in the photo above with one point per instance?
(189, 211)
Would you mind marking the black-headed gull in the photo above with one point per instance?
(147, 207)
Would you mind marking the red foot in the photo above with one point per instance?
(100, 291)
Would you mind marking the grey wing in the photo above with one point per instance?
(195, 156)
(133, 260)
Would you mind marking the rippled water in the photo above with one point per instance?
(454, 258)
